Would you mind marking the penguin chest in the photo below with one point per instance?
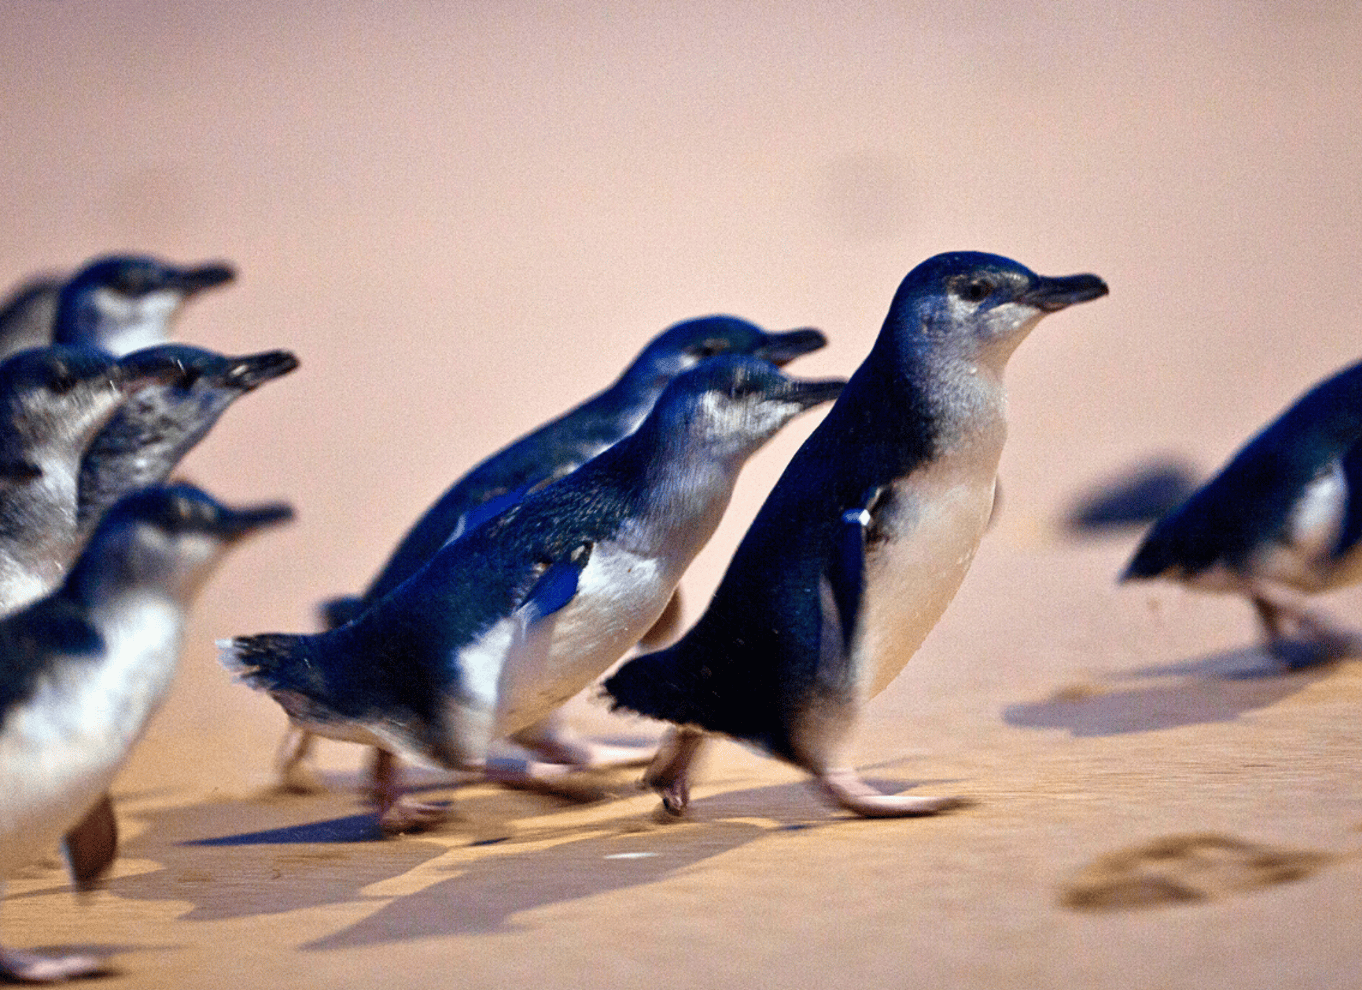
(1302, 554)
(922, 547)
(620, 594)
(61, 748)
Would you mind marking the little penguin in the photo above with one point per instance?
(53, 402)
(861, 544)
(508, 622)
(1281, 520)
(123, 303)
(158, 426)
(84, 669)
(548, 452)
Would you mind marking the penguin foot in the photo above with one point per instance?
(404, 815)
(399, 814)
(553, 742)
(669, 773)
(846, 789)
(27, 967)
(296, 775)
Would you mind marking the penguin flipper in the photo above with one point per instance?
(556, 586)
(846, 569)
(92, 844)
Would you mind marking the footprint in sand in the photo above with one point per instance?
(1184, 869)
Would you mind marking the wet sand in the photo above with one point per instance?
(465, 220)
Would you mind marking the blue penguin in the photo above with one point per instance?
(83, 670)
(53, 401)
(861, 544)
(156, 427)
(514, 618)
(123, 303)
(29, 313)
(548, 452)
(1281, 520)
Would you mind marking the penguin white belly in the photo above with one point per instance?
(930, 536)
(620, 594)
(61, 749)
(1303, 556)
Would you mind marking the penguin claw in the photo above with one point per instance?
(28, 967)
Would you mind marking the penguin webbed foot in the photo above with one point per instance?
(398, 813)
(846, 789)
(1317, 641)
(296, 774)
(29, 967)
(554, 743)
(669, 773)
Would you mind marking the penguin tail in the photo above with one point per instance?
(656, 686)
(272, 662)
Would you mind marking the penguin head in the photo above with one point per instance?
(729, 406)
(979, 307)
(57, 398)
(684, 345)
(123, 302)
(169, 537)
(204, 372)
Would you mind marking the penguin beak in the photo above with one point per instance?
(234, 524)
(254, 370)
(192, 280)
(1053, 294)
(814, 393)
(782, 348)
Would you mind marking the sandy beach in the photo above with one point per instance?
(466, 218)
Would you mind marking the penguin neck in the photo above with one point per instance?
(37, 533)
(932, 398)
(684, 487)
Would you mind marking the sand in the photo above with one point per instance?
(464, 218)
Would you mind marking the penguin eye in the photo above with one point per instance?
(711, 347)
(133, 282)
(61, 382)
(976, 290)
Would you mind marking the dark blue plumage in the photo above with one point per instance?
(864, 537)
(122, 303)
(1284, 516)
(562, 444)
(506, 623)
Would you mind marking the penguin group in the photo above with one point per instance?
(101, 552)
(557, 557)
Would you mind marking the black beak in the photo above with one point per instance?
(810, 393)
(254, 370)
(192, 280)
(233, 524)
(1053, 294)
(782, 348)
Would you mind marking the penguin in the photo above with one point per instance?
(84, 669)
(508, 622)
(861, 544)
(53, 401)
(1281, 521)
(29, 313)
(546, 453)
(123, 303)
(155, 428)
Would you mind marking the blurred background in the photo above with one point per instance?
(466, 217)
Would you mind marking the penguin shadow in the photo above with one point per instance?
(1187, 869)
(243, 858)
(486, 895)
(1219, 687)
